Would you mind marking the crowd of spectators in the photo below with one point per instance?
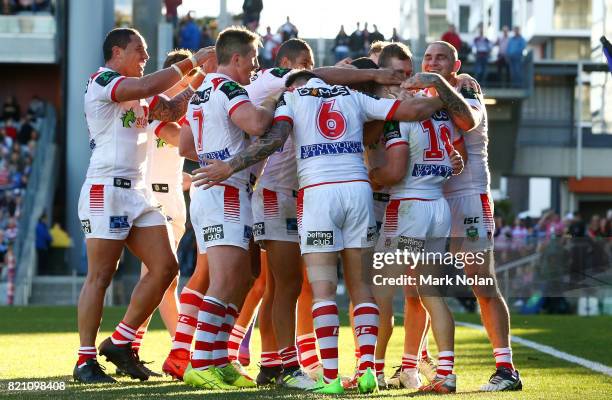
(10, 7)
(509, 59)
(358, 43)
(18, 137)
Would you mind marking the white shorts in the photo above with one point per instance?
(332, 217)
(415, 225)
(107, 211)
(173, 207)
(274, 216)
(472, 225)
(221, 216)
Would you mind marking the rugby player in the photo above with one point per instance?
(115, 207)
(472, 228)
(219, 115)
(328, 221)
(417, 218)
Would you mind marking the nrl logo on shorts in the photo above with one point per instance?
(472, 233)
(86, 226)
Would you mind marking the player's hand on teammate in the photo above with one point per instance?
(456, 162)
(205, 54)
(214, 172)
(421, 80)
(466, 81)
(387, 76)
(345, 63)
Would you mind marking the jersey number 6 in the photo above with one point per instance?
(331, 123)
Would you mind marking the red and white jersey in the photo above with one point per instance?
(209, 115)
(328, 130)
(164, 164)
(117, 131)
(279, 172)
(430, 143)
(475, 178)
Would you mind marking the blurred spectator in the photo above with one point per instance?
(25, 131)
(269, 43)
(43, 241)
(251, 9)
(482, 48)
(41, 6)
(36, 108)
(519, 235)
(3, 245)
(593, 231)
(357, 43)
(171, 11)
(366, 37)
(288, 31)
(451, 36)
(341, 47)
(7, 7)
(502, 56)
(206, 39)
(189, 35)
(10, 128)
(10, 108)
(395, 37)
(376, 36)
(577, 227)
(516, 46)
(25, 5)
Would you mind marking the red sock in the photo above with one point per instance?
(138, 339)
(270, 359)
(327, 325)
(85, 353)
(123, 335)
(289, 357)
(409, 362)
(503, 357)
(446, 361)
(220, 356)
(210, 319)
(424, 351)
(233, 343)
(307, 351)
(365, 317)
(189, 306)
(380, 367)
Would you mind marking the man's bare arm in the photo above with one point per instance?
(267, 144)
(173, 109)
(461, 112)
(347, 76)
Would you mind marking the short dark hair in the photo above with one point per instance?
(299, 76)
(393, 50)
(175, 56)
(232, 40)
(119, 37)
(291, 49)
(364, 63)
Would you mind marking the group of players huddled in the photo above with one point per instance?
(306, 165)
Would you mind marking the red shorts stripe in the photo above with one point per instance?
(300, 207)
(391, 216)
(96, 199)
(231, 204)
(329, 183)
(270, 204)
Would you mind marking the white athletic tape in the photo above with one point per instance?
(592, 365)
(327, 273)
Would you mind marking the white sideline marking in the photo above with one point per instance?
(592, 365)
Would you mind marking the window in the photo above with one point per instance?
(437, 26)
(571, 49)
(464, 19)
(572, 14)
(437, 4)
(505, 13)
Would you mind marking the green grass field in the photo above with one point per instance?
(40, 343)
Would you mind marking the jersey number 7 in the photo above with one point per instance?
(434, 152)
(198, 115)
